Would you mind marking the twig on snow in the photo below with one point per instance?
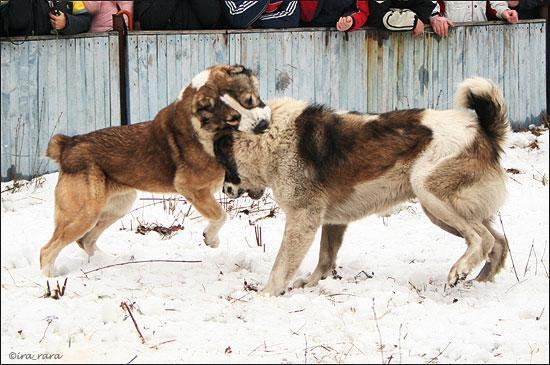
(434, 359)
(125, 306)
(400, 354)
(508, 246)
(141, 262)
(305, 349)
(528, 258)
(381, 346)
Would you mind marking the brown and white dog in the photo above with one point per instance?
(328, 169)
(101, 171)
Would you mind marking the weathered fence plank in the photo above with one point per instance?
(71, 84)
(54, 85)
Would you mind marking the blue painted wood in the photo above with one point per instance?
(54, 85)
(71, 84)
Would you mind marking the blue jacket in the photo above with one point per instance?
(262, 13)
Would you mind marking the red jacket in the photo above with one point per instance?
(309, 9)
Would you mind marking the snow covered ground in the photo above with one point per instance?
(395, 267)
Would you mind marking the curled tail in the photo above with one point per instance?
(487, 101)
(56, 146)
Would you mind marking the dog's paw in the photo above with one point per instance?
(307, 282)
(271, 292)
(47, 271)
(458, 273)
(92, 250)
(300, 283)
(211, 240)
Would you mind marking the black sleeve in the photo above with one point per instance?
(208, 12)
(424, 9)
(77, 24)
(377, 10)
(153, 14)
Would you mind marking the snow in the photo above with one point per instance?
(203, 312)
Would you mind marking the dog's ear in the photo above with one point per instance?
(237, 69)
(204, 100)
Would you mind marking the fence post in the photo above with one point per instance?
(120, 26)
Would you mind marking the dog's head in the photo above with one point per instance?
(227, 97)
(234, 185)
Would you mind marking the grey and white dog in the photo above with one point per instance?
(328, 169)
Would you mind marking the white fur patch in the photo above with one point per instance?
(453, 131)
(197, 82)
(200, 79)
(249, 117)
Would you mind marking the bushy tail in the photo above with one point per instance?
(56, 146)
(486, 99)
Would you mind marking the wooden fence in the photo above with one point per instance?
(71, 85)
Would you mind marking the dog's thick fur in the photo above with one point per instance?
(328, 169)
(101, 171)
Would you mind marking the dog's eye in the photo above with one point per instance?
(205, 104)
(204, 120)
(249, 101)
(205, 108)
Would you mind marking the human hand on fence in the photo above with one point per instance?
(511, 16)
(58, 21)
(441, 25)
(418, 29)
(344, 23)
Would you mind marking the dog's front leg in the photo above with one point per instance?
(209, 208)
(300, 231)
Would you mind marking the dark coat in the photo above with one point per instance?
(31, 17)
(177, 14)
(421, 8)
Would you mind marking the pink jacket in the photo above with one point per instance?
(102, 13)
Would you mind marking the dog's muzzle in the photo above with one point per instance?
(255, 120)
(261, 127)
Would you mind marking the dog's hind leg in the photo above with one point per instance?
(209, 208)
(300, 231)
(331, 240)
(440, 223)
(445, 213)
(79, 200)
(497, 256)
(116, 207)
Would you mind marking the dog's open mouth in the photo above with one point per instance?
(255, 194)
(234, 192)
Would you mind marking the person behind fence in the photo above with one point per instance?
(102, 13)
(401, 15)
(530, 9)
(261, 13)
(345, 15)
(41, 17)
(176, 14)
(476, 11)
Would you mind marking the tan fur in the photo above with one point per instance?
(101, 171)
(328, 169)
